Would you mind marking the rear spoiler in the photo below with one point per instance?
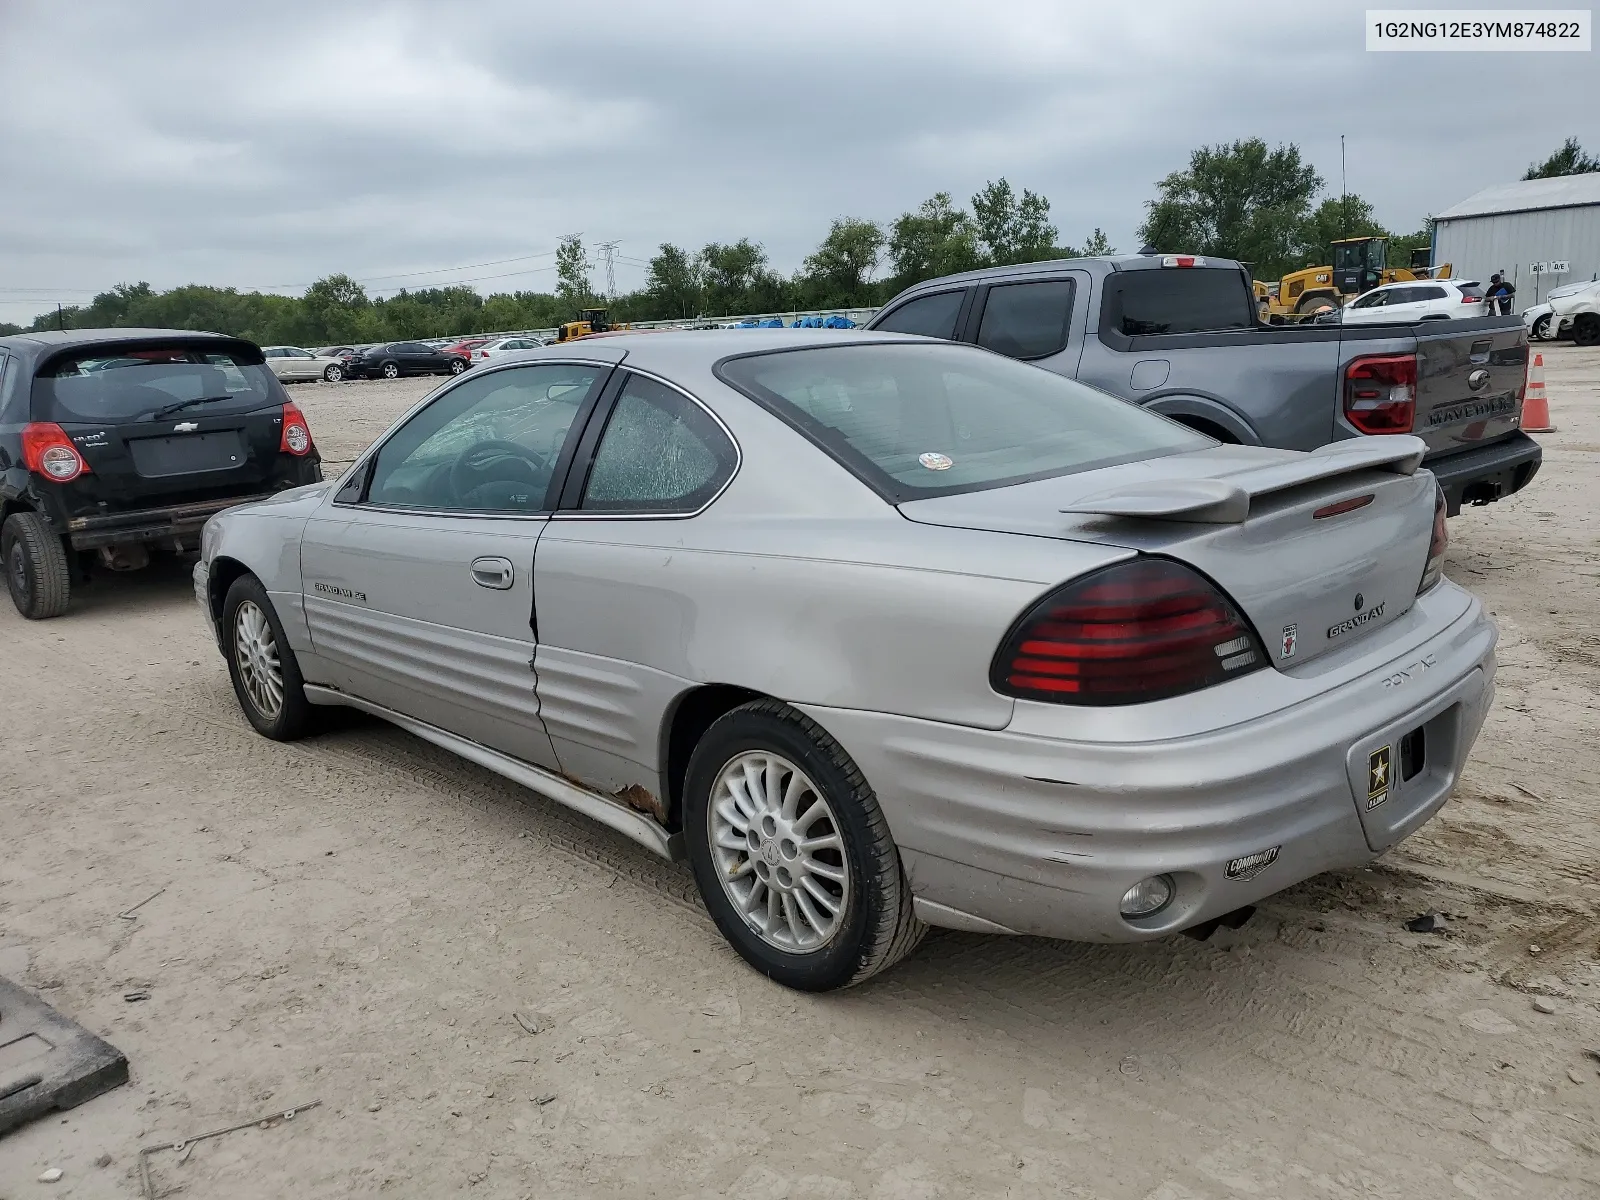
(1226, 500)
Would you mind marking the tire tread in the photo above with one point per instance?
(52, 573)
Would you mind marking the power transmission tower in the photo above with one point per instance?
(609, 249)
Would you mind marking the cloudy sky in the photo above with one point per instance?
(263, 146)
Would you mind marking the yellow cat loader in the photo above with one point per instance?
(590, 320)
(1359, 265)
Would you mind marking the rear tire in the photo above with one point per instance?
(1586, 330)
(823, 841)
(390, 370)
(457, 365)
(333, 373)
(266, 677)
(38, 575)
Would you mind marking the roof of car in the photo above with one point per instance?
(695, 350)
(54, 339)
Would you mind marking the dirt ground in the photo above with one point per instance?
(356, 919)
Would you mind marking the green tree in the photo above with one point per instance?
(937, 239)
(1009, 229)
(1569, 160)
(1098, 245)
(737, 279)
(1239, 200)
(672, 284)
(572, 273)
(839, 271)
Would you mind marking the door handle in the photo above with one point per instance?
(494, 573)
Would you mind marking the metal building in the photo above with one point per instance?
(1512, 226)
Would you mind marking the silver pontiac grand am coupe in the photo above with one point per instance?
(880, 633)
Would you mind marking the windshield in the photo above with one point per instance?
(129, 383)
(927, 420)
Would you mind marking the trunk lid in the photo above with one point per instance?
(1248, 518)
(1469, 383)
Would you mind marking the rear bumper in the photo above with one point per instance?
(182, 521)
(1004, 831)
(1488, 473)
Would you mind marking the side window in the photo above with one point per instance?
(1372, 300)
(489, 445)
(1026, 320)
(931, 316)
(274, 353)
(660, 453)
(1429, 293)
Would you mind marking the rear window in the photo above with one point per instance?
(146, 382)
(1026, 320)
(914, 421)
(1474, 290)
(1180, 300)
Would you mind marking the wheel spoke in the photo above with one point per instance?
(813, 918)
(818, 893)
(812, 815)
(826, 870)
(792, 794)
(828, 841)
(791, 918)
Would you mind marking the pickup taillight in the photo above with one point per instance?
(1380, 393)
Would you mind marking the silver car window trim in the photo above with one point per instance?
(573, 514)
(371, 452)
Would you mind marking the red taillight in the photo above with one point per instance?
(1437, 545)
(1472, 299)
(296, 436)
(1129, 633)
(1380, 393)
(48, 451)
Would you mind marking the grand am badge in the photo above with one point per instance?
(1377, 777)
(1291, 642)
(1356, 622)
(328, 589)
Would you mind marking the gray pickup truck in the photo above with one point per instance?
(1180, 335)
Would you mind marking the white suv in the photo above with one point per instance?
(1426, 299)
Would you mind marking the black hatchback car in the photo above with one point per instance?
(394, 359)
(116, 441)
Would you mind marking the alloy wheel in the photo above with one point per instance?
(255, 651)
(778, 851)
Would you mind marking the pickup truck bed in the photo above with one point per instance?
(1180, 335)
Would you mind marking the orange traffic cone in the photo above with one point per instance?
(1535, 406)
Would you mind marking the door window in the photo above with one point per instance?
(490, 445)
(931, 316)
(661, 453)
(1429, 293)
(1372, 300)
(1026, 320)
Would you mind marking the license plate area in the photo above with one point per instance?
(187, 454)
(1401, 775)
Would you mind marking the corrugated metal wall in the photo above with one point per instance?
(1510, 242)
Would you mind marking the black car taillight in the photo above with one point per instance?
(296, 436)
(1137, 631)
(1437, 545)
(1380, 393)
(48, 451)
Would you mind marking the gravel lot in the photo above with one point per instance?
(356, 919)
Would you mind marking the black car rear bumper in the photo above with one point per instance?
(180, 522)
(1488, 473)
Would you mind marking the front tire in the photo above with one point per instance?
(38, 575)
(390, 370)
(266, 676)
(1541, 329)
(333, 373)
(791, 851)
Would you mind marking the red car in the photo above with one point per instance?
(465, 347)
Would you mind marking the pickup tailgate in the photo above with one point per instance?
(1469, 383)
(1318, 550)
